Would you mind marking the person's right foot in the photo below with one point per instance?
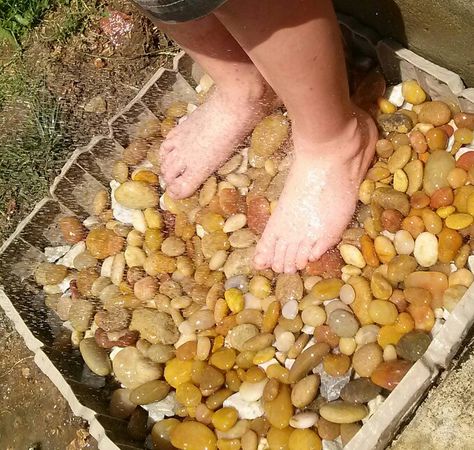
(207, 138)
(319, 197)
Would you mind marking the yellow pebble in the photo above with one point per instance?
(279, 372)
(218, 343)
(228, 444)
(235, 300)
(388, 335)
(193, 435)
(445, 211)
(470, 204)
(404, 323)
(385, 106)
(400, 180)
(264, 355)
(147, 176)
(304, 439)
(188, 394)
(413, 92)
(223, 359)
(178, 372)
(347, 345)
(458, 221)
(224, 418)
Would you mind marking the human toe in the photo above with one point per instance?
(303, 254)
(279, 256)
(290, 258)
(264, 251)
(172, 170)
(182, 187)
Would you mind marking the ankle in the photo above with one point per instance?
(251, 90)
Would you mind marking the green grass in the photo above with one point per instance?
(17, 17)
(32, 155)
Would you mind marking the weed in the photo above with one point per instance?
(32, 156)
(17, 17)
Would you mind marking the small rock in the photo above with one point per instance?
(96, 105)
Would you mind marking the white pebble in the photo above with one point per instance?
(164, 408)
(304, 420)
(138, 221)
(389, 353)
(54, 253)
(285, 341)
(251, 392)
(367, 334)
(186, 328)
(200, 231)
(308, 329)
(426, 249)
(247, 410)
(91, 222)
(290, 310)
(394, 95)
(289, 363)
(106, 269)
(68, 259)
(347, 294)
(403, 242)
(439, 313)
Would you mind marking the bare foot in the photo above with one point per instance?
(207, 138)
(319, 197)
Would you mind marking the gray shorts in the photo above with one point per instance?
(179, 10)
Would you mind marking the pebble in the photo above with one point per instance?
(290, 309)
(247, 410)
(193, 435)
(426, 249)
(367, 358)
(360, 390)
(305, 390)
(251, 392)
(304, 420)
(389, 373)
(132, 369)
(95, 357)
(343, 412)
(343, 323)
(136, 195)
(234, 223)
(352, 255)
(412, 345)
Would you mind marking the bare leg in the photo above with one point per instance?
(203, 142)
(298, 50)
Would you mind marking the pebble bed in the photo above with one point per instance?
(211, 354)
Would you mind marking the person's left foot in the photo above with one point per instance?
(197, 147)
(318, 199)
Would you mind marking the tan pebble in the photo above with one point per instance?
(231, 165)
(242, 238)
(234, 223)
(343, 412)
(352, 255)
(238, 180)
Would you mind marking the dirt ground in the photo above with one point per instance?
(97, 62)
